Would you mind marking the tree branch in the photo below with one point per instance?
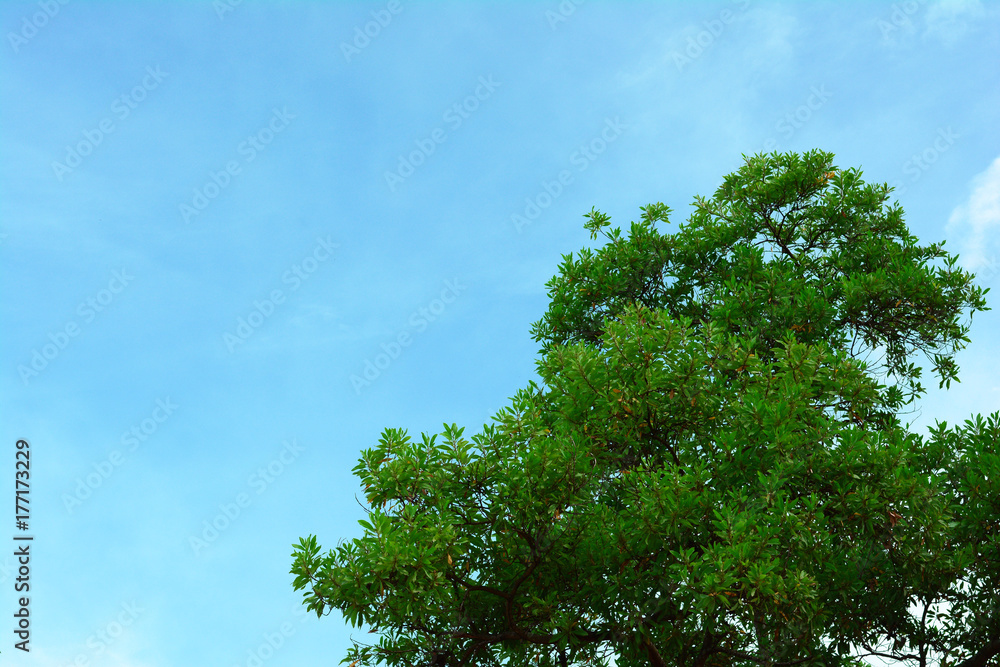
(983, 656)
(654, 656)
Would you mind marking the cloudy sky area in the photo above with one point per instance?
(216, 218)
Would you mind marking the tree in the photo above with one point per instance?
(710, 472)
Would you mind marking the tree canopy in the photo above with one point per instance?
(713, 470)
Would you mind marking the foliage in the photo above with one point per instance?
(710, 472)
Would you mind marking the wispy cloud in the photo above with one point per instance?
(682, 46)
(976, 218)
(772, 31)
(950, 20)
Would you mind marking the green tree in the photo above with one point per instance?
(711, 472)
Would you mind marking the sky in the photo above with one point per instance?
(238, 240)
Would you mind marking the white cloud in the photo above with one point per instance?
(976, 219)
(949, 20)
(944, 21)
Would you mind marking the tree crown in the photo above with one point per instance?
(710, 473)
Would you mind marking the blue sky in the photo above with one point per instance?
(214, 216)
